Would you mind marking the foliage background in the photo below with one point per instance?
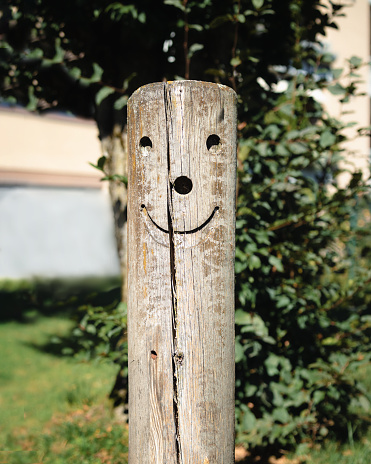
(302, 305)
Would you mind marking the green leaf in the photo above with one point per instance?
(97, 73)
(236, 61)
(281, 149)
(240, 266)
(337, 72)
(75, 73)
(37, 53)
(219, 20)
(242, 317)
(196, 27)
(254, 262)
(90, 328)
(176, 3)
(258, 3)
(32, 99)
(250, 390)
(283, 301)
(194, 48)
(249, 420)
(11, 100)
(100, 163)
(271, 363)
(337, 89)
(330, 341)
(281, 415)
(117, 178)
(142, 18)
(262, 148)
(59, 52)
(103, 93)
(298, 148)
(121, 102)
(327, 139)
(355, 61)
(318, 396)
(253, 59)
(276, 262)
(118, 10)
(327, 58)
(239, 352)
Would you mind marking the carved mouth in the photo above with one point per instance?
(184, 232)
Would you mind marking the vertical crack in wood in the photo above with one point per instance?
(167, 103)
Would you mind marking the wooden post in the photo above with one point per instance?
(182, 182)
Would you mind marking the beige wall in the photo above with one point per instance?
(353, 39)
(47, 150)
(45, 230)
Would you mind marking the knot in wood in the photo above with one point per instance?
(178, 358)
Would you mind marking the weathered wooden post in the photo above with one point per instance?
(182, 177)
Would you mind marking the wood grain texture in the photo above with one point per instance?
(181, 219)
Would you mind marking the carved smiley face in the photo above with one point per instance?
(183, 185)
(182, 148)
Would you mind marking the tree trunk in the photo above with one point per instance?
(114, 149)
(111, 124)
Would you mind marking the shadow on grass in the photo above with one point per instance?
(262, 455)
(23, 300)
(83, 337)
(67, 346)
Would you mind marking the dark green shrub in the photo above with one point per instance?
(300, 338)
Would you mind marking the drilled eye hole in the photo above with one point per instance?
(183, 185)
(145, 142)
(213, 141)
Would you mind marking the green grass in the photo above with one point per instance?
(86, 436)
(53, 409)
(34, 384)
(333, 453)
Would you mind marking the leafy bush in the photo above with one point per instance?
(101, 333)
(299, 337)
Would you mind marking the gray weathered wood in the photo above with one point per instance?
(181, 206)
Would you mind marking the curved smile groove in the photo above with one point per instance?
(183, 232)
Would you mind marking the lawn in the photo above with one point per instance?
(55, 409)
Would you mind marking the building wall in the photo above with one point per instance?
(55, 214)
(352, 38)
(47, 150)
(56, 232)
